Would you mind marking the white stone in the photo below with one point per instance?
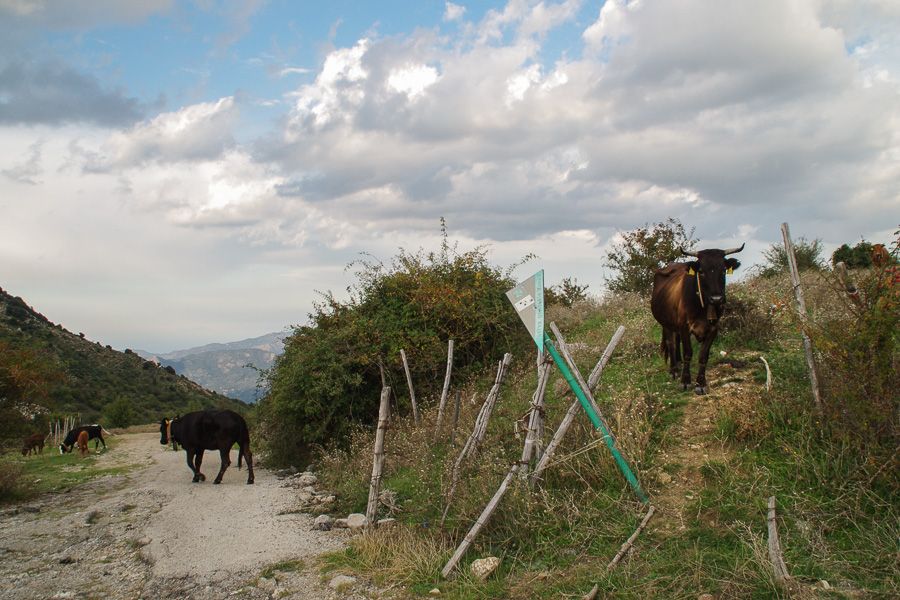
(307, 479)
(323, 522)
(340, 524)
(341, 581)
(357, 520)
(387, 523)
(483, 567)
(434, 592)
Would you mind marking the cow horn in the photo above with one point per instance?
(688, 253)
(734, 250)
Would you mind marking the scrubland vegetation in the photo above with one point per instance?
(709, 463)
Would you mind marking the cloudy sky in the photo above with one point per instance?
(174, 173)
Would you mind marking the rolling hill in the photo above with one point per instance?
(225, 368)
(90, 378)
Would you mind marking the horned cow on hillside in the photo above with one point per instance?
(688, 299)
(209, 430)
(95, 432)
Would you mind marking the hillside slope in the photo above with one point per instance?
(91, 377)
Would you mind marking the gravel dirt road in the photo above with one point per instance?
(154, 534)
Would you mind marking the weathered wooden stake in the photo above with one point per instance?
(801, 311)
(478, 431)
(628, 543)
(455, 417)
(847, 282)
(378, 460)
(768, 373)
(446, 390)
(532, 439)
(778, 566)
(412, 393)
(593, 379)
(479, 523)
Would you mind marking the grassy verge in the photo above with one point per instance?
(52, 472)
(837, 502)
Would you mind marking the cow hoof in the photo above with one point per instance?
(685, 387)
(217, 481)
(195, 480)
(701, 390)
(249, 482)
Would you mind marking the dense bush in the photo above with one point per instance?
(567, 293)
(808, 255)
(642, 251)
(330, 374)
(860, 348)
(859, 256)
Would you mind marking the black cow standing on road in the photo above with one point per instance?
(95, 432)
(209, 430)
(688, 299)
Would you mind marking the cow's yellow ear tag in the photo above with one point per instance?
(729, 271)
(691, 271)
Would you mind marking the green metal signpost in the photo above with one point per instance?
(528, 300)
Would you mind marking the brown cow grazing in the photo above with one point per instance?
(83, 442)
(688, 299)
(33, 443)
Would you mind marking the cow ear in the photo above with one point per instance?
(692, 267)
(731, 264)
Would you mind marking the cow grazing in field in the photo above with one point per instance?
(209, 430)
(82, 442)
(95, 432)
(33, 443)
(688, 299)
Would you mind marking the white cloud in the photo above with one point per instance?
(198, 131)
(453, 12)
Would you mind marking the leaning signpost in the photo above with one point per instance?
(528, 300)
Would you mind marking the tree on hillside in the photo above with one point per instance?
(566, 293)
(330, 374)
(25, 377)
(808, 255)
(641, 251)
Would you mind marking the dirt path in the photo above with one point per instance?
(154, 534)
(693, 444)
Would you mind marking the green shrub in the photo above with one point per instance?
(808, 255)
(642, 251)
(10, 481)
(330, 374)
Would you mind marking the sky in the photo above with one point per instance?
(180, 172)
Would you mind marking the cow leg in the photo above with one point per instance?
(688, 353)
(248, 456)
(225, 453)
(198, 460)
(670, 340)
(190, 463)
(702, 387)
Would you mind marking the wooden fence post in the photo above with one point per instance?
(446, 389)
(455, 417)
(801, 311)
(412, 393)
(775, 556)
(532, 436)
(479, 523)
(478, 432)
(378, 459)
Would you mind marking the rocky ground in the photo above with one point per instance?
(154, 534)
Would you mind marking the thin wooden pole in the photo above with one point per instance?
(446, 389)
(384, 411)
(593, 379)
(778, 566)
(801, 311)
(412, 393)
(768, 373)
(455, 417)
(537, 409)
(478, 432)
(479, 523)
(628, 543)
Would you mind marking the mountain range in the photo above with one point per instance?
(232, 369)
